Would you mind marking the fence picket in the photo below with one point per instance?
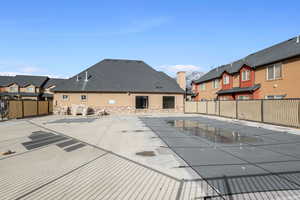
(284, 112)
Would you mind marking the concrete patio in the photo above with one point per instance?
(113, 157)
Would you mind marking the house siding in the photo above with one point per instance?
(287, 85)
(209, 93)
(124, 102)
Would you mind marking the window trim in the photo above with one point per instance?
(202, 87)
(247, 75)
(226, 79)
(215, 86)
(147, 103)
(243, 97)
(65, 99)
(275, 97)
(274, 72)
(82, 98)
(174, 103)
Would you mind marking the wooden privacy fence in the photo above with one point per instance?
(276, 111)
(28, 108)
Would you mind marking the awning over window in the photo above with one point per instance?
(239, 90)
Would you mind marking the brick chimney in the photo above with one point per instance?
(181, 80)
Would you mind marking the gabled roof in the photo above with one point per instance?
(6, 80)
(115, 75)
(278, 52)
(53, 82)
(24, 80)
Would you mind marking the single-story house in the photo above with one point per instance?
(121, 86)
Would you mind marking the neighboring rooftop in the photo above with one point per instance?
(115, 75)
(278, 52)
(25, 80)
(53, 82)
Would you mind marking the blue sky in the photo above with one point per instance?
(61, 38)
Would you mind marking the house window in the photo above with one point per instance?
(246, 75)
(13, 89)
(202, 86)
(83, 97)
(65, 97)
(141, 102)
(243, 97)
(168, 102)
(226, 80)
(274, 71)
(223, 98)
(30, 89)
(275, 96)
(215, 83)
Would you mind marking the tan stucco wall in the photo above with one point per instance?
(7, 89)
(24, 89)
(124, 102)
(209, 93)
(288, 84)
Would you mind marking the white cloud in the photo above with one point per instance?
(9, 68)
(172, 69)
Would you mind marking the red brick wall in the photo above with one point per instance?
(227, 86)
(250, 82)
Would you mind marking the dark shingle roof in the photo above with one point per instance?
(238, 89)
(24, 80)
(24, 94)
(114, 75)
(6, 80)
(53, 82)
(278, 52)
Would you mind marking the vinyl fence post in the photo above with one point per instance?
(236, 109)
(219, 107)
(197, 110)
(37, 107)
(262, 110)
(22, 108)
(207, 107)
(48, 107)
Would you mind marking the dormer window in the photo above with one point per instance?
(13, 88)
(246, 75)
(30, 89)
(225, 79)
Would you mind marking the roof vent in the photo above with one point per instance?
(298, 39)
(86, 76)
(77, 78)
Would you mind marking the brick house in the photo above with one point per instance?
(271, 73)
(122, 86)
(27, 87)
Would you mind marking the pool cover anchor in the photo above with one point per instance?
(8, 152)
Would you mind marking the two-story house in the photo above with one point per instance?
(27, 87)
(271, 73)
